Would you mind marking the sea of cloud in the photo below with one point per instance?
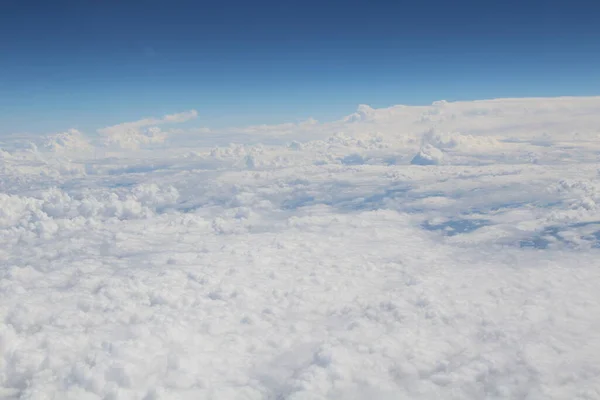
(437, 252)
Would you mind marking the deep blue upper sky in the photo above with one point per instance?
(88, 64)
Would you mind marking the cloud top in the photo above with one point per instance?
(144, 131)
(167, 119)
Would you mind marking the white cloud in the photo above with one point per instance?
(72, 140)
(167, 119)
(180, 117)
(132, 134)
(456, 280)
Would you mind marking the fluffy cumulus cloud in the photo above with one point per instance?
(72, 140)
(446, 251)
(144, 131)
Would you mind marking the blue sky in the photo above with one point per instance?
(89, 64)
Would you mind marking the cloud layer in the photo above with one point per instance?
(447, 251)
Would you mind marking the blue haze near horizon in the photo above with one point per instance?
(86, 65)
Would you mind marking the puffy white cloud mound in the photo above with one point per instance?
(71, 140)
(134, 138)
(458, 141)
(428, 155)
(363, 113)
(132, 135)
